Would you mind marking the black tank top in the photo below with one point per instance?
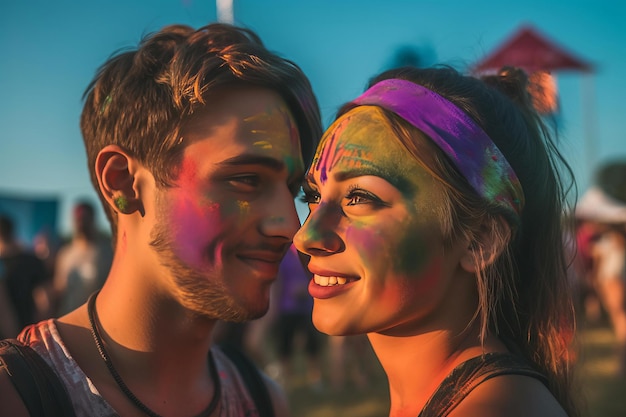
(468, 375)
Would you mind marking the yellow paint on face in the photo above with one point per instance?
(244, 206)
(270, 123)
(263, 144)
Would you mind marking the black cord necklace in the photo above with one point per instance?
(94, 321)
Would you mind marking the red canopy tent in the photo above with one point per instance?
(541, 58)
(531, 51)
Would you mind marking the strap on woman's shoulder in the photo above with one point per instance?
(40, 388)
(468, 375)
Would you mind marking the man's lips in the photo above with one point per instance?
(264, 256)
(267, 263)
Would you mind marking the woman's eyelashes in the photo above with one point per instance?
(354, 197)
(359, 196)
(310, 195)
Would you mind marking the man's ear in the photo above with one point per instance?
(115, 170)
(490, 241)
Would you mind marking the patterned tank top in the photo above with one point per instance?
(44, 338)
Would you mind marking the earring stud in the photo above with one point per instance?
(121, 203)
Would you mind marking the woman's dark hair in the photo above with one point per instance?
(523, 293)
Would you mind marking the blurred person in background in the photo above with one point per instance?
(24, 277)
(601, 215)
(292, 328)
(83, 263)
(9, 326)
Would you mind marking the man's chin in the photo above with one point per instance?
(256, 313)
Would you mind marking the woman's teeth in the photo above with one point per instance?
(329, 281)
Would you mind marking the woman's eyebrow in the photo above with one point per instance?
(394, 178)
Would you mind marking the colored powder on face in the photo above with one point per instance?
(362, 142)
(310, 229)
(412, 252)
(187, 174)
(290, 164)
(409, 257)
(193, 227)
(272, 124)
(244, 207)
(323, 158)
(369, 243)
(263, 144)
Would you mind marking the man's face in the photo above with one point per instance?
(225, 225)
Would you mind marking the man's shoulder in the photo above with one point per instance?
(28, 385)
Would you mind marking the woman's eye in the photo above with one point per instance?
(310, 197)
(356, 199)
(359, 197)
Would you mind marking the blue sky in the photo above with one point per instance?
(51, 50)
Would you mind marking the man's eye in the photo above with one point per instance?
(245, 180)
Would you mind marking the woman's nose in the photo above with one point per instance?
(319, 236)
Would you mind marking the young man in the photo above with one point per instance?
(197, 142)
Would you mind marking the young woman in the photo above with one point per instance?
(435, 228)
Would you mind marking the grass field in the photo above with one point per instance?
(603, 393)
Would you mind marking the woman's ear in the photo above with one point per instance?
(115, 170)
(490, 241)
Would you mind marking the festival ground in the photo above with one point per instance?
(605, 394)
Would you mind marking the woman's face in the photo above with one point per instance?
(373, 233)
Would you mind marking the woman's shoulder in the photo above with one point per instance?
(510, 396)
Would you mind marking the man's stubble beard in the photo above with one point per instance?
(201, 292)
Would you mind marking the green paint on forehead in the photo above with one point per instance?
(362, 142)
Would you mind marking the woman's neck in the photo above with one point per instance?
(416, 365)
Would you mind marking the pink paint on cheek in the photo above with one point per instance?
(187, 177)
(195, 218)
(368, 243)
(196, 226)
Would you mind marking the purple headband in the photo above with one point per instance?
(456, 134)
